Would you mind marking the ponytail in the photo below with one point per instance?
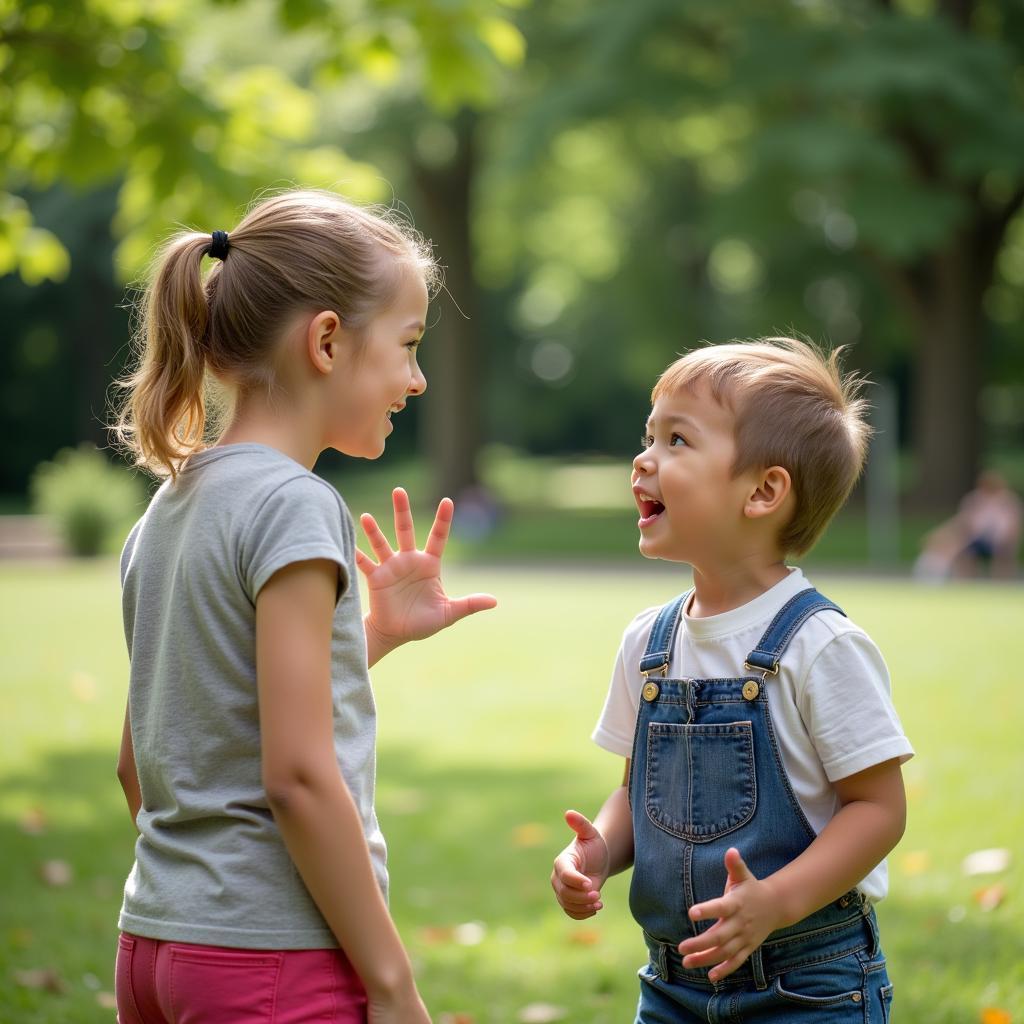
(163, 421)
(300, 250)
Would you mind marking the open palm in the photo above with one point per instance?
(407, 598)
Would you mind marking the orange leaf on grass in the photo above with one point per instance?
(994, 1015)
(456, 1018)
(915, 862)
(584, 937)
(990, 896)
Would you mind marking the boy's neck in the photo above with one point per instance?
(725, 588)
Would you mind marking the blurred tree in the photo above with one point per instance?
(797, 163)
(145, 95)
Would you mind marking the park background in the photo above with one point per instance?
(607, 184)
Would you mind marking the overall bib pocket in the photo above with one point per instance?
(700, 781)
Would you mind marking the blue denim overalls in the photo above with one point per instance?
(706, 774)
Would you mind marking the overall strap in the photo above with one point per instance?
(663, 632)
(791, 616)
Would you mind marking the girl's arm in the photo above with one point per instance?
(313, 808)
(126, 770)
(866, 828)
(407, 598)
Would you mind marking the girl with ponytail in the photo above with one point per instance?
(259, 886)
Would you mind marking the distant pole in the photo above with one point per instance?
(882, 479)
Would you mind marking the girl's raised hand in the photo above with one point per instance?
(407, 597)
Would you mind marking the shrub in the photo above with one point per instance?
(86, 496)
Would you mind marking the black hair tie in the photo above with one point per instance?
(219, 246)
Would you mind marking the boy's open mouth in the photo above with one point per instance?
(650, 508)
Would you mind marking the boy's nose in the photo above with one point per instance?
(643, 462)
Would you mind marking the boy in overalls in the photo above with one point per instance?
(763, 787)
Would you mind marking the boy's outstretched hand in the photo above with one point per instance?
(407, 597)
(747, 913)
(581, 869)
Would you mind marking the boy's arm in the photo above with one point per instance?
(597, 852)
(867, 826)
(127, 773)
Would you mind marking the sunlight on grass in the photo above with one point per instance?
(484, 741)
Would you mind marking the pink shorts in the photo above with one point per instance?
(179, 983)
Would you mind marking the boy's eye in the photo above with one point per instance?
(676, 438)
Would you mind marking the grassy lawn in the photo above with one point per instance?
(483, 742)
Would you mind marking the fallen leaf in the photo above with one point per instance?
(471, 933)
(402, 801)
(435, 935)
(456, 1018)
(55, 872)
(986, 862)
(106, 1000)
(915, 862)
(584, 937)
(541, 1013)
(83, 686)
(530, 834)
(989, 897)
(994, 1015)
(44, 979)
(33, 822)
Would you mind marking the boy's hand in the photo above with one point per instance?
(407, 599)
(747, 913)
(581, 869)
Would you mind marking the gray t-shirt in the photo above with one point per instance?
(210, 864)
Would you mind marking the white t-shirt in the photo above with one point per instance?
(830, 704)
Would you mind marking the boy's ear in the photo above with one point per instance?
(772, 488)
(323, 338)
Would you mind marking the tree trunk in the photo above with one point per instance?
(947, 374)
(453, 357)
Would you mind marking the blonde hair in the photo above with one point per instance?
(299, 250)
(794, 408)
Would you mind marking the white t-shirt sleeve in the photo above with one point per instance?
(617, 723)
(846, 704)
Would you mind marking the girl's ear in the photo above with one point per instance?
(772, 488)
(323, 339)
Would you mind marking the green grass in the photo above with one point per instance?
(483, 742)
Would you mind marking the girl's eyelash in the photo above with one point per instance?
(646, 441)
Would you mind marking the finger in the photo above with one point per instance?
(717, 935)
(706, 958)
(723, 907)
(568, 877)
(405, 532)
(365, 563)
(378, 542)
(737, 867)
(724, 969)
(460, 607)
(438, 536)
(581, 825)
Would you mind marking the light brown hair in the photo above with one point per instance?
(296, 251)
(794, 408)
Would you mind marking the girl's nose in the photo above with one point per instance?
(418, 384)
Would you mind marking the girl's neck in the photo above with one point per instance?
(725, 588)
(251, 425)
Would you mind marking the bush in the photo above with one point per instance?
(86, 496)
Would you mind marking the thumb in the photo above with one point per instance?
(581, 825)
(460, 607)
(737, 867)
